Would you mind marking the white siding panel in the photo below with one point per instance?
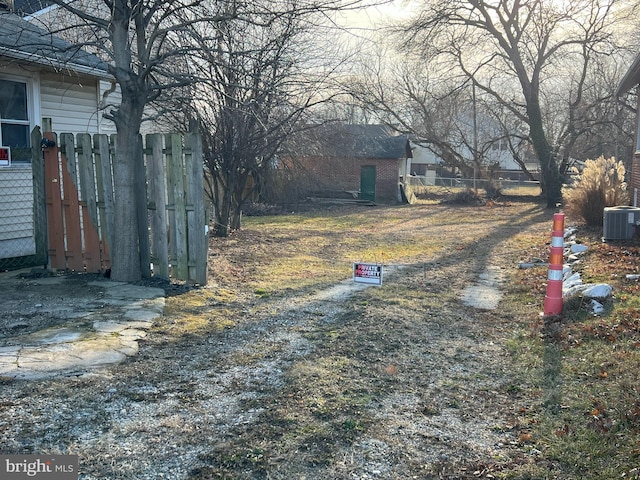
(110, 100)
(16, 212)
(71, 104)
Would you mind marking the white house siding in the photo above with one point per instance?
(422, 155)
(16, 212)
(71, 103)
(108, 99)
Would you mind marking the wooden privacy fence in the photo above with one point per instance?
(80, 199)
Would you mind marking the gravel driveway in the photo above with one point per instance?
(407, 380)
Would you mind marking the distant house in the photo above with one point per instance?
(363, 161)
(630, 81)
(493, 148)
(42, 79)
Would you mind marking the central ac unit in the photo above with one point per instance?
(619, 223)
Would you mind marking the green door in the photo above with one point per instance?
(368, 182)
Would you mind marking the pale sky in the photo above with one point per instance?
(376, 16)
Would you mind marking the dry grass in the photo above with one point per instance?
(582, 379)
(253, 377)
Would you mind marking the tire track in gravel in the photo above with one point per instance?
(352, 382)
(436, 409)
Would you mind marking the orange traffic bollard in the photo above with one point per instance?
(553, 300)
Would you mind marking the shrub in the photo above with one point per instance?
(601, 184)
(466, 197)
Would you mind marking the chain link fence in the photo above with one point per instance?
(429, 183)
(17, 219)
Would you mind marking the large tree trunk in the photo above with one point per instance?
(238, 201)
(236, 218)
(125, 259)
(550, 178)
(223, 214)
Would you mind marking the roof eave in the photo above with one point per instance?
(631, 79)
(55, 64)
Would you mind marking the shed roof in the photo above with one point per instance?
(348, 140)
(24, 41)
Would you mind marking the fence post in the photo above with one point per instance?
(39, 197)
(55, 228)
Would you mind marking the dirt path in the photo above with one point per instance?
(395, 382)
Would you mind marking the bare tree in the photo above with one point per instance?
(258, 74)
(139, 39)
(442, 114)
(530, 57)
(605, 127)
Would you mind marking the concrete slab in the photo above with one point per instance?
(55, 335)
(485, 293)
(141, 315)
(91, 323)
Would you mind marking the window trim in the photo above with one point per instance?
(33, 103)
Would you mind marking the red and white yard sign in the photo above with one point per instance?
(5, 156)
(367, 273)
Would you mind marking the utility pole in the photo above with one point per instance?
(475, 136)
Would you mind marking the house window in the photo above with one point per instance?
(14, 119)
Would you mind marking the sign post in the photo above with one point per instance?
(370, 273)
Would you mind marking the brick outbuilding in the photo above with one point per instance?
(364, 161)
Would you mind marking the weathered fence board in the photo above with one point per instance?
(39, 198)
(80, 203)
(143, 219)
(88, 203)
(71, 204)
(104, 194)
(195, 208)
(55, 226)
(158, 205)
(175, 185)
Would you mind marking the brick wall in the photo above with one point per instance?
(343, 174)
(634, 179)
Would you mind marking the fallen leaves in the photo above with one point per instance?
(391, 370)
(525, 438)
(563, 431)
(600, 421)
